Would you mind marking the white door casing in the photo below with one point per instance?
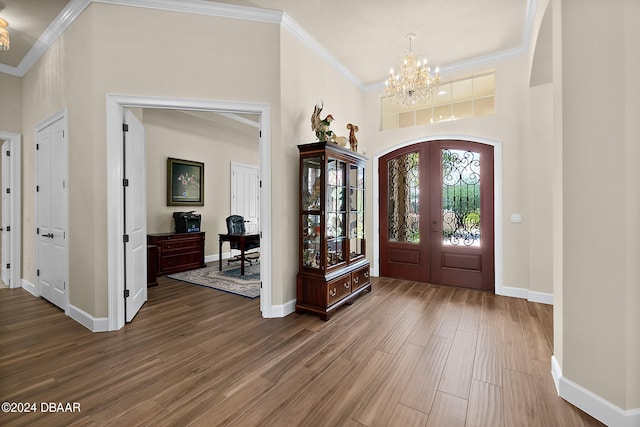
(245, 195)
(135, 216)
(11, 178)
(115, 257)
(52, 213)
(6, 213)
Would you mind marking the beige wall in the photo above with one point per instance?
(212, 139)
(600, 181)
(11, 105)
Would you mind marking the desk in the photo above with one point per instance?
(242, 240)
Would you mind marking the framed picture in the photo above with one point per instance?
(185, 183)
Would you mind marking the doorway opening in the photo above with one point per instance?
(445, 257)
(115, 166)
(11, 210)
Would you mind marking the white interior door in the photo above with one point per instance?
(135, 216)
(51, 195)
(245, 195)
(6, 214)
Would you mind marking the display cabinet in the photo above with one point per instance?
(333, 269)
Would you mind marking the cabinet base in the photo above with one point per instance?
(326, 314)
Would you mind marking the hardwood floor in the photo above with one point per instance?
(406, 354)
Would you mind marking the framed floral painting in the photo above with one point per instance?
(185, 183)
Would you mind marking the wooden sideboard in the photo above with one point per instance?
(176, 252)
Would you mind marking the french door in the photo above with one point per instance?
(436, 214)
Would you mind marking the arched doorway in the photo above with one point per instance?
(437, 213)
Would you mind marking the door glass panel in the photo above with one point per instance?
(336, 211)
(356, 211)
(460, 198)
(311, 183)
(311, 241)
(404, 189)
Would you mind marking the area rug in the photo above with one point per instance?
(227, 280)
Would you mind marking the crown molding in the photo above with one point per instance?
(205, 8)
(75, 7)
(298, 32)
(50, 34)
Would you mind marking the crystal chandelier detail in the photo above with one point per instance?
(414, 83)
(4, 35)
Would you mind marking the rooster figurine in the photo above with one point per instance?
(321, 126)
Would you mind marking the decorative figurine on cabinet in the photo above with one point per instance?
(321, 126)
(353, 141)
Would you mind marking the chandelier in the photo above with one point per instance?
(414, 83)
(4, 35)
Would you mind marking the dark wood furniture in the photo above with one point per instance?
(152, 266)
(177, 252)
(243, 240)
(332, 268)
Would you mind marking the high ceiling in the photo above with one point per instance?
(366, 36)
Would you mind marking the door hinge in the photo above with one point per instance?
(125, 182)
(260, 284)
(37, 146)
(8, 191)
(8, 153)
(125, 127)
(64, 184)
(37, 188)
(64, 285)
(38, 230)
(8, 228)
(260, 134)
(8, 266)
(260, 183)
(63, 134)
(126, 293)
(38, 273)
(125, 238)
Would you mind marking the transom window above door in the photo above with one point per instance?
(472, 96)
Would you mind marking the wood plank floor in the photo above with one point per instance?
(406, 354)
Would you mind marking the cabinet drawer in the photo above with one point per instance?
(168, 263)
(359, 278)
(175, 245)
(338, 288)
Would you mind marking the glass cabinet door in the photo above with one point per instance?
(336, 212)
(311, 198)
(356, 211)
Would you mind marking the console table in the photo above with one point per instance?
(242, 240)
(177, 252)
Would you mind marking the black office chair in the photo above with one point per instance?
(235, 225)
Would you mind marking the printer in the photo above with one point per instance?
(187, 222)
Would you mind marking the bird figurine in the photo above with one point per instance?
(321, 126)
(353, 141)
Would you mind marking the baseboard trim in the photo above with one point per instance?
(594, 405)
(540, 297)
(283, 309)
(94, 324)
(29, 287)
